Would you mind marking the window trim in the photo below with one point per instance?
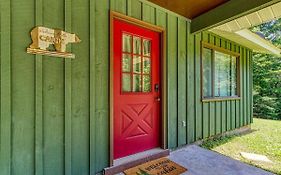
(225, 51)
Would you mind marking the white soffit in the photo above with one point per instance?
(238, 30)
(249, 39)
(259, 17)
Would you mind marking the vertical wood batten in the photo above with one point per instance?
(67, 95)
(237, 102)
(119, 6)
(6, 109)
(190, 89)
(205, 106)
(148, 14)
(92, 105)
(129, 7)
(197, 84)
(241, 86)
(228, 104)
(251, 87)
(212, 105)
(172, 80)
(38, 97)
(248, 87)
(217, 105)
(0, 80)
(244, 86)
(101, 121)
(23, 89)
(135, 8)
(186, 79)
(53, 96)
(181, 87)
(161, 20)
(233, 106)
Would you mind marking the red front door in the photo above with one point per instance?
(136, 89)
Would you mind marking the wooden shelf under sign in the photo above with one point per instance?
(50, 53)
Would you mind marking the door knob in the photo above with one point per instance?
(157, 99)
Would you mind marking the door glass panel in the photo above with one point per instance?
(127, 43)
(137, 83)
(137, 64)
(126, 82)
(146, 65)
(146, 47)
(137, 45)
(126, 63)
(146, 83)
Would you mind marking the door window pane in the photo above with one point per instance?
(146, 83)
(126, 82)
(207, 72)
(136, 83)
(137, 64)
(137, 45)
(146, 65)
(146, 47)
(126, 63)
(127, 43)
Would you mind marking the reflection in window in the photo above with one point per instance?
(219, 74)
(136, 64)
(146, 65)
(137, 83)
(146, 47)
(126, 82)
(137, 45)
(126, 63)
(127, 42)
(146, 83)
(207, 72)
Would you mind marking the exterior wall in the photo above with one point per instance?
(55, 112)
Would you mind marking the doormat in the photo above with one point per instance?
(163, 166)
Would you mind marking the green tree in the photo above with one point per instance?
(267, 74)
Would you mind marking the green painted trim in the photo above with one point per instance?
(227, 12)
(129, 10)
(38, 98)
(93, 167)
(172, 81)
(187, 74)
(68, 95)
(181, 82)
(6, 111)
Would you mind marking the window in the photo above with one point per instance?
(220, 73)
(136, 64)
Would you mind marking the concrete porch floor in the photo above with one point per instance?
(201, 161)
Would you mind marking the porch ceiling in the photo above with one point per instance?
(259, 17)
(189, 8)
(238, 31)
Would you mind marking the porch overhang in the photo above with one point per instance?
(227, 12)
(238, 31)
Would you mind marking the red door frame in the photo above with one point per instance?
(161, 31)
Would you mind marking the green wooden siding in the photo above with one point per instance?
(55, 112)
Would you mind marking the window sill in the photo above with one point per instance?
(204, 100)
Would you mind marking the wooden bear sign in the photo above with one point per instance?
(43, 37)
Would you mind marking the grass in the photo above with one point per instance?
(264, 139)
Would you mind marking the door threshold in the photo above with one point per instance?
(119, 165)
